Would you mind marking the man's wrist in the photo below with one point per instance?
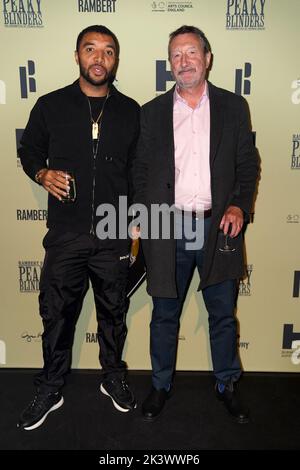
(39, 175)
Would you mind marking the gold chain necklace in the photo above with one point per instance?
(96, 125)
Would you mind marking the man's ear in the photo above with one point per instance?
(76, 57)
(208, 59)
(116, 65)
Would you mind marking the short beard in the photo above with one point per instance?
(185, 86)
(109, 78)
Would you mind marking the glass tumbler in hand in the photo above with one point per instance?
(71, 196)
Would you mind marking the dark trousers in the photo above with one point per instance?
(220, 301)
(71, 261)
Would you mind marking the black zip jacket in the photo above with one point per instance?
(58, 136)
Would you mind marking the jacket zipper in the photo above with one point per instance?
(95, 151)
(92, 230)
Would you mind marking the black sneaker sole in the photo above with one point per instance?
(40, 422)
(116, 405)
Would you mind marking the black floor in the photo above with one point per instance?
(192, 420)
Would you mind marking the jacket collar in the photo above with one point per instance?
(216, 120)
(77, 90)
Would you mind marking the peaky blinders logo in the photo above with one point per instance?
(29, 276)
(295, 157)
(245, 283)
(22, 13)
(245, 345)
(245, 14)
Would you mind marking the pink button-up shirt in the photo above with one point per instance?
(191, 138)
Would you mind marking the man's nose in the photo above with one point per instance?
(184, 59)
(99, 56)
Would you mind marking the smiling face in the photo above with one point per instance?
(97, 60)
(189, 62)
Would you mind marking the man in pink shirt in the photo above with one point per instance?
(196, 153)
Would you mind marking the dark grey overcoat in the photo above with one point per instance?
(234, 170)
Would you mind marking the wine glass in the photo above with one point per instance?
(227, 248)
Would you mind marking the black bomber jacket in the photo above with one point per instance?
(58, 136)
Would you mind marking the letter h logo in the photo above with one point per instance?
(296, 288)
(162, 75)
(23, 79)
(239, 79)
(289, 336)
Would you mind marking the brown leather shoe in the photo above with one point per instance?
(154, 403)
(233, 404)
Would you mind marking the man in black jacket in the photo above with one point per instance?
(88, 129)
(195, 152)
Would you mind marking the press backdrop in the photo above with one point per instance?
(256, 53)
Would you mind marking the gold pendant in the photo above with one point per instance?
(95, 130)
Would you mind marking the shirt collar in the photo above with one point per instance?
(178, 98)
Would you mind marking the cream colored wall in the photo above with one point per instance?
(272, 242)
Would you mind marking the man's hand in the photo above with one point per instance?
(55, 182)
(234, 216)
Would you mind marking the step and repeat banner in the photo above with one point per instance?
(256, 53)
